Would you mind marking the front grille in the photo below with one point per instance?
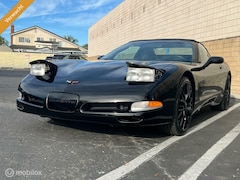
(63, 102)
(106, 107)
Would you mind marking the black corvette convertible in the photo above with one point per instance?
(141, 83)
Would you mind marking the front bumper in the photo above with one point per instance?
(153, 117)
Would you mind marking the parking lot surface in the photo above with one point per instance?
(33, 147)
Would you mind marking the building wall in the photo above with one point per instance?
(215, 22)
(229, 48)
(19, 60)
(144, 19)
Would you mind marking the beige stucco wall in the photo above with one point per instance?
(144, 19)
(19, 60)
(229, 48)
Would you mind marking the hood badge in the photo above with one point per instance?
(72, 82)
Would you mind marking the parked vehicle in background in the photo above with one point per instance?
(65, 56)
(49, 58)
(68, 56)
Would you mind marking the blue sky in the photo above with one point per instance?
(62, 17)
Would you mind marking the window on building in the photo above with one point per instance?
(40, 39)
(52, 39)
(21, 39)
(27, 40)
(24, 40)
(61, 44)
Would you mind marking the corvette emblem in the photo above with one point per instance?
(72, 82)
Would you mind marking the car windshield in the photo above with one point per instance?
(156, 50)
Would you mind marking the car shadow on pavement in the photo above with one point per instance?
(146, 131)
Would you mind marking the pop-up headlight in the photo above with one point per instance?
(43, 70)
(38, 69)
(140, 74)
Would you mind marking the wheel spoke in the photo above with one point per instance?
(182, 120)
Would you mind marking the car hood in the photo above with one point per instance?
(102, 71)
(97, 81)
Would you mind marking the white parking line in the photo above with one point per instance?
(130, 166)
(201, 164)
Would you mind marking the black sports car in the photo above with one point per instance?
(145, 82)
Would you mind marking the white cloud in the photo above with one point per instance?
(2, 6)
(72, 13)
(4, 10)
(46, 7)
(79, 20)
(86, 5)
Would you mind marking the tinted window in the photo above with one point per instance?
(174, 51)
(155, 50)
(128, 53)
(203, 54)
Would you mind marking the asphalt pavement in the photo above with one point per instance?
(33, 147)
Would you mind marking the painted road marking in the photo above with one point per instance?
(201, 164)
(135, 163)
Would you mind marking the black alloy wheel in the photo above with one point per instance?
(183, 108)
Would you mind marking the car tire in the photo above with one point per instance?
(226, 96)
(182, 110)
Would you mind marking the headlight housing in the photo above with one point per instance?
(43, 70)
(38, 69)
(140, 74)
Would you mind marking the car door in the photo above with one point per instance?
(211, 79)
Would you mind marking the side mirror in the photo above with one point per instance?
(215, 60)
(211, 60)
(99, 57)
